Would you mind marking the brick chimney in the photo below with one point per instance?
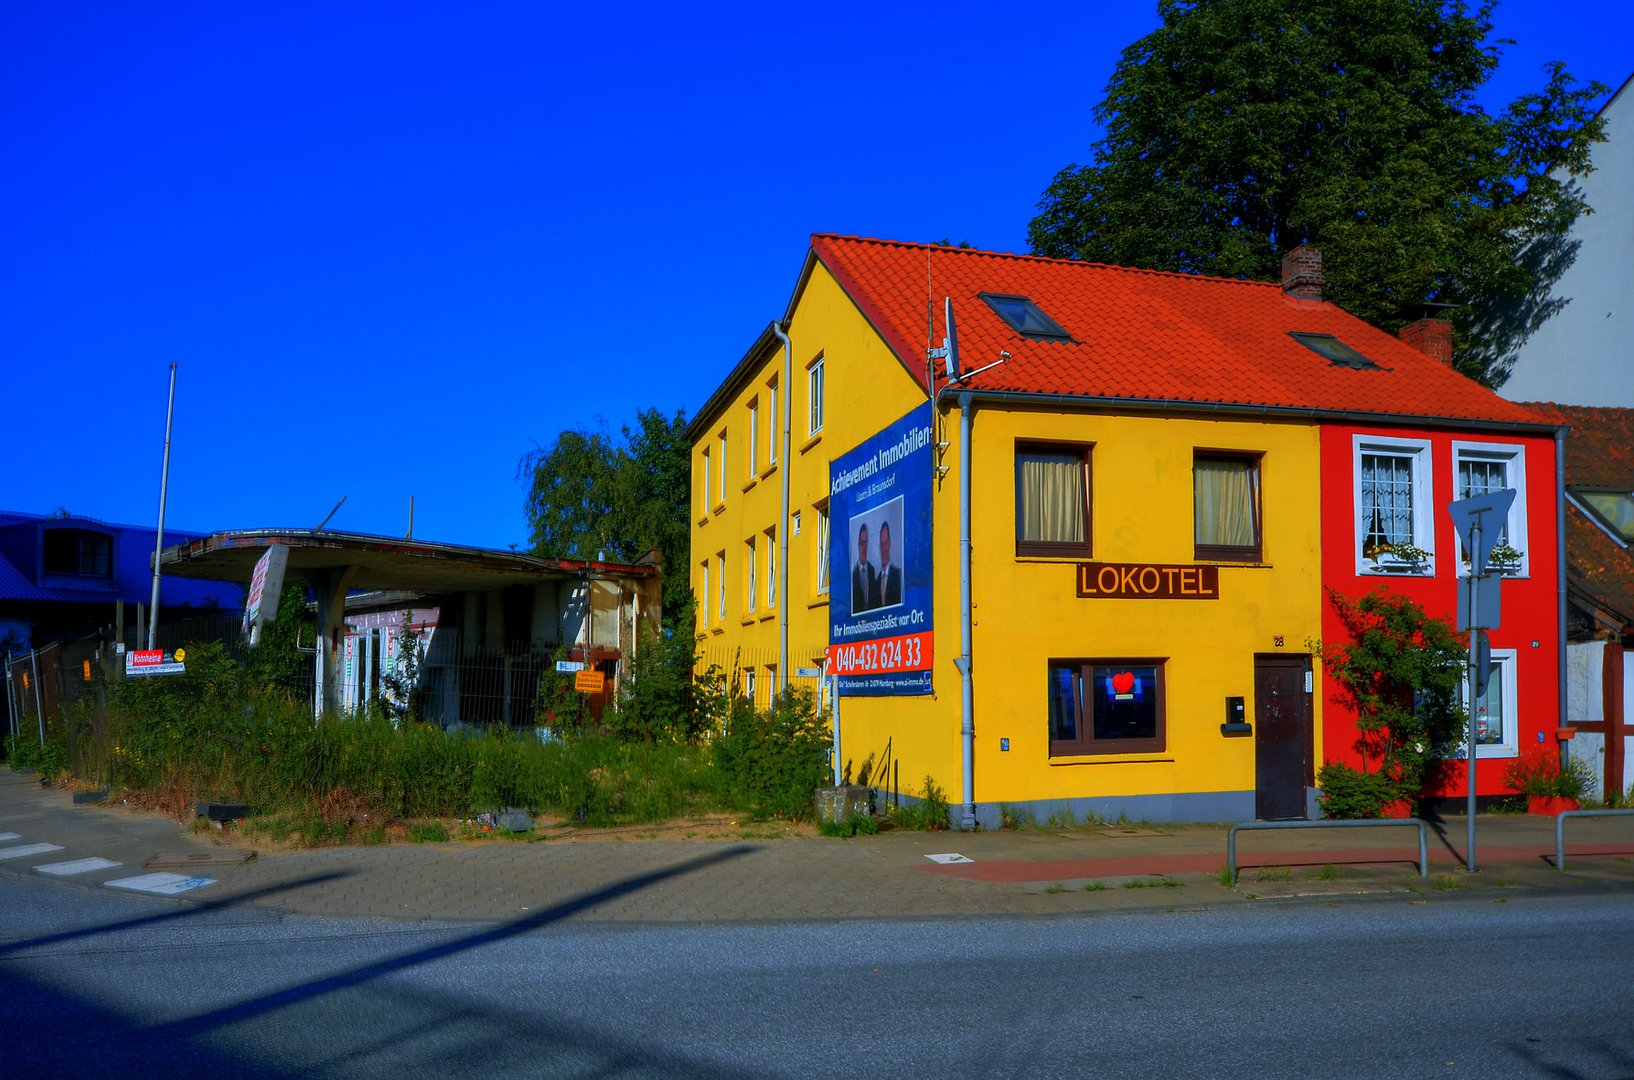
(1432, 337)
(1302, 272)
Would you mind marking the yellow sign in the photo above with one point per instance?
(589, 682)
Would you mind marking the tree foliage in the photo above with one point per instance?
(1241, 128)
(594, 496)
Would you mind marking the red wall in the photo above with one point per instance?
(1530, 613)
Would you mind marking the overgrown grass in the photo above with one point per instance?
(213, 734)
(928, 814)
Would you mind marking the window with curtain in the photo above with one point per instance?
(1226, 500)
(1052, 500)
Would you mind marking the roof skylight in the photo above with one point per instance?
(1025, 318)
(1614, 509)
(1333, 350)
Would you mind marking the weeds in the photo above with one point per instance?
(1095, 886)
(1274, 873)
(929, 814)
(858, 825)
(1151, 883)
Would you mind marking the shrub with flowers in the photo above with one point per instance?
(1399, 671)
(1538, 772)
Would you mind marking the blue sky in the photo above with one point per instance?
(392, 247)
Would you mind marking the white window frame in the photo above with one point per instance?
(703, 595)
(774, 422)
(720, 585)
(824, 539)
(749, 582)
(749, 684)
(720, 466)
(1505, 666)
(707, 479)
(1514, 460)
(814, 391)
(771, 567)
(1423, 502)
(771, 686)
(754, 437)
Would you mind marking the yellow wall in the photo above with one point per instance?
(865, 388)
(1026, 610)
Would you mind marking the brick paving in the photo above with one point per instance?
(1030, 872)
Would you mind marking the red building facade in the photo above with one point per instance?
(1386, 491)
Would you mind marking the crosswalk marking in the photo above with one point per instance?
(24, 850)
(77, 866)
(163, 884)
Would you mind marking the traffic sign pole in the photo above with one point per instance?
(1474, 636)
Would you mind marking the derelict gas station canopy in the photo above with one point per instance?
(378, 562)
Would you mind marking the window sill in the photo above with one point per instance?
(821, 601)
(1077, 557)
(768, 470)
(772, 614)
(1113, 759)
(748, 620)
(717, 629)
(751, 482)
(1420, 570)
(813, 441)
(1243, 564)
(719, 508)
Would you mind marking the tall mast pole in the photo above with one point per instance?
(159, 537)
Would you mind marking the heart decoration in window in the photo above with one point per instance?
(1123, 683)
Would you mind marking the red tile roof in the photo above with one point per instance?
(1146, 336)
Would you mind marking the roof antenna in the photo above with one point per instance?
(331, 514)
(949, 352)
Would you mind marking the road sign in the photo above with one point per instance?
(1485, 513)
(1488, 603)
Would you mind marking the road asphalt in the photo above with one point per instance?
(725, 872)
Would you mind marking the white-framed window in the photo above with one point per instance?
(749, 684)
(814, 393)
(1480, 467)
(771, 686)
(822, 549)
(720, 586)
(1394, 510)
(703, 594)
(720, 465)
(754, 437)
(770, 541)
(705, 491)
(774, 422)
(750, 567)
(1495, 710)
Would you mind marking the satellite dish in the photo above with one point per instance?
(950, 344)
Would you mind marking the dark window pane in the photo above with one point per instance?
(1064, 702)
(1125, 702)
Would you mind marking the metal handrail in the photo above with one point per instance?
(1560, 829)
(1231, 837)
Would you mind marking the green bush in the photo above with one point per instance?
(769, 763)
(1349, 793)
(858, 825)
(49, 758)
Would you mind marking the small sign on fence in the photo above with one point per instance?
(155, 662)
(590, 682)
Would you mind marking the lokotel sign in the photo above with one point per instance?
(1148, 581)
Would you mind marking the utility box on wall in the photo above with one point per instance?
(1236, 718)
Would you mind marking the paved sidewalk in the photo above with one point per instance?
(1031, 872)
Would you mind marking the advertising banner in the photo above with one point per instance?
(155, 662)
(880, 581)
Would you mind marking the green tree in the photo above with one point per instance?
(1241, 128)
(593, 497)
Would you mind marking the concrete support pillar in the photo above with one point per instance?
(330, 588)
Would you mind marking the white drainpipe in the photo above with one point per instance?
(783, 528)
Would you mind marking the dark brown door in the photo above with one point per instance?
(1282, 736)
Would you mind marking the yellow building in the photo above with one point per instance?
(1121, 481)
